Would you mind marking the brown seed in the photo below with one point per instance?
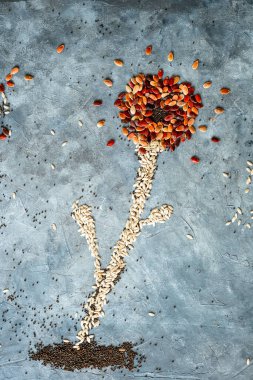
(101, 123)
(148, 50)
(8, 77)
(224, 91)
(203, 128)
(108, 82)
(192, 129)
(14, 70)
(6, 131)
(207, 84)
(170, 56)
(60, 48)
(195, 64)
(219, 110)
(119, 62)
(28, 77)
(97, 102)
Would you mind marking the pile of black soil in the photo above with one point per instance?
(90, 355)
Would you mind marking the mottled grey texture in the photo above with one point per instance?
(201, 290)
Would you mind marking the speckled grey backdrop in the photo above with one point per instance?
(201, 290)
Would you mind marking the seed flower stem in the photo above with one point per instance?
(108, 277)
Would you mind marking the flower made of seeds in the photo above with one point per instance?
(157, 108)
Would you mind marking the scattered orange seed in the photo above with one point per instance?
(203, 128)
(224, 91)
(8, 77)
(170, 56)
(219, 110)
(60, 48)
(119, 62)
(28, 77)
(195, 64)
(10, 83)
(100, 123)
(195, 159)
(108, 82)
(2, 136)
(1, 87)
(14, 70)
(148, 50)
(176, 79)
(110, 142)
(207, 84)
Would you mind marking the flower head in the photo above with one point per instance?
(158, 109)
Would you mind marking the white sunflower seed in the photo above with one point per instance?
(151, 314)
(247, 225)
(250, 163)
(246, 191)
(52, 132)
(64, 143)
(53, 226)
(248, 181)
(14, 195)
(189, 236)
(80, 123)
(239, 210)
(53, 166)
(228, 223)
(6, 290)
(225, 174)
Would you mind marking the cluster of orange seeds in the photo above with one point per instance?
(157, 108)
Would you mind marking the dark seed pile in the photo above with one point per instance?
(90, 355)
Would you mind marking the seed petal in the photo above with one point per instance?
(14, 70)
(224, 91)
(108, 82)
(207, 84)
(110, 142)
(148, 49)
(219, 110)
(118, 62)
(28, 77)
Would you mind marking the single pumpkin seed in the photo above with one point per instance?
(170, 56)
(224, 91)
(207, 84)
(195, 64)
(108, 82)
(219, 110)
(203, 128)
(118, 62)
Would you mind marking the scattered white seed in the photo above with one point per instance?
(65, 341)
(14, 195)
(251, 172)
(151, 314)
(247, 225)
(239, 210)
(246, 190)
(248, 181)
(250, 163)
(248, 170)
(251, 217)
(52, 132)
(80, 123)
(189, 236)
(239, 222)
(248, 361)
(225, 174)
(228, 223)
(54, 227)
(64, 143)
(234, 218)
(5, 290)
(122, 349)
(251, 211)
(52, 166)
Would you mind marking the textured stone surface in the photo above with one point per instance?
(201, 289)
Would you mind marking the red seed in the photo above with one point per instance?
(110, 142)
(148, 50)
(160, 74)
(215, 139)
(195, 159)
(2, 136)
(97, 102)
(10, 83)
(1, 87)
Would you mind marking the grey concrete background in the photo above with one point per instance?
(201, 290)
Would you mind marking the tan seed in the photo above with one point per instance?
(108, 82)
(170, 56)
(219, 110)
(28, 77)
(192, 129)
(119, 62)
(101, 123)
(195, 64)
(207, 84)
(203, 128)
(224, 91)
